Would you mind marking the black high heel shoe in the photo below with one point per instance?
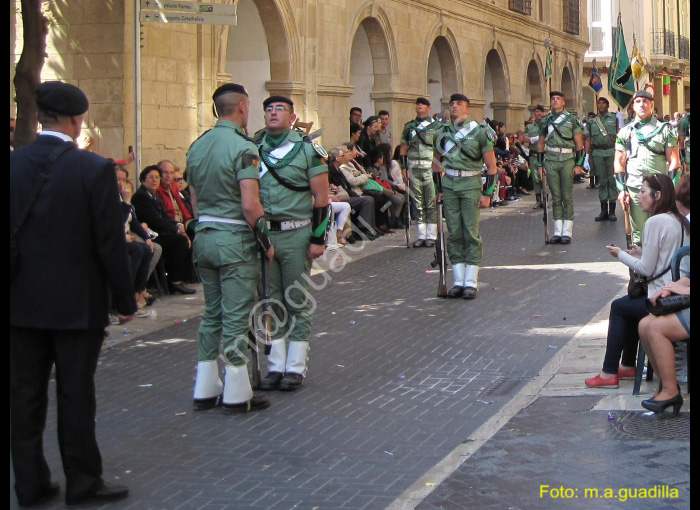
(659, 406)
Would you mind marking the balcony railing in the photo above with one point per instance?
(683, 48)
(572, 16)
(663, 42)
(521, 6)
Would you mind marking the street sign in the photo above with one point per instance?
(183, 17)
(189, 7)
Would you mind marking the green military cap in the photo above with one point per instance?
(643, 94)
(604, 99)
(422, 100)
(459, 97)
(62, 98)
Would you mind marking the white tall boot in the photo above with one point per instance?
(276, 361)
(471, 281)
(238, 395)
(432, 231)
(558, 228)
(567, 231)
(207, 386)
(458, 276)
(422, 232)
(295, 370)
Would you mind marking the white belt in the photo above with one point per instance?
(286, 225)
(216, 219)
(560, 150)
(413, 161)
(461, 173)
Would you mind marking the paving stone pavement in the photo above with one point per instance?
(397, 378)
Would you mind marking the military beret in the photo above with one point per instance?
(540, 107)
(277, 99)
(229, 87)
(604, 99)
(422, 100)
(643, 94)
(62, 98)
(459, 97)
(557, 93)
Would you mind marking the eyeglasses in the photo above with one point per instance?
(276, 108)
(177, 179)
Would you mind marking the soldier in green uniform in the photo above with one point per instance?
(532, 131)
(600, 147)
(417, 158)
(222, 168)
(462, 147)
(643, 147)
(684, 140)
(559, 152)
(291, 175)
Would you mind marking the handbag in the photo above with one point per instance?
(638, 285)
(372, 185)
(668, 305)
(14, 229)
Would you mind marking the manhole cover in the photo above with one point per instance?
(655, 427)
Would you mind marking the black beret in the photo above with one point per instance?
(540, 107)
(422, 100)
(557, 93)
(229, 87)
(459, 97)
(604, 99)
(277, 99)
(644, 94)
(62, 98)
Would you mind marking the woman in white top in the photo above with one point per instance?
(664, 232)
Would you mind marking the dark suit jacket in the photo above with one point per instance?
(152, 212)
(72, 244)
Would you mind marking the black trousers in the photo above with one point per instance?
(32, 354)
(176, 256)
(140, 255)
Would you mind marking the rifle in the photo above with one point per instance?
(407, 214)
(441, 254)
(255, 361)
(545, 214)
(628, 227)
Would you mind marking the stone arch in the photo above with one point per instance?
(443, 62)
(535, 90)
(568, 86)
(496, 83)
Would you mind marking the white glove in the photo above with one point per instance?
(586, 164)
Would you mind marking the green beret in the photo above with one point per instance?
(229, 87)
(644, 94)
(62, 98)
(277, 99)
(459, 97)
(422, 100)
(557, 93)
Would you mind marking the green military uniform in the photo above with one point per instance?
(532, 131)
(419, 134)
(225, 252)
(603, 131)
(645, 143)
(684, 130)
(288, 211)
(462, 147)
(559, 162)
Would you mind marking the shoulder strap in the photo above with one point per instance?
(43, 176)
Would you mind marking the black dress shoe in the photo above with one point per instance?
(565, 240)
(291, 382)
(105, 494)
(257, 403)
(455, 292)
(46, 495)
(181, 288)
(271, 381)
(659, 406)
(469, 293)
(420, 243)
(555, 240)
(204, 404)
(150, 300)
(429, 243)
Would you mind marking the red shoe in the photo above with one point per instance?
(598, 382)
(626, 373)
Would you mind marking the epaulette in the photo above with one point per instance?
(317, 147)
(490, 133)
(258, 135)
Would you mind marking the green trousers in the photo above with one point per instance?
(535, 175)
(423, 193)
(560, 179)
(289, 275)
(637, 217)
(228, 264)
(605, 171)
(461, 210)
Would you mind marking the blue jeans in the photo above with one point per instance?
(623, 335)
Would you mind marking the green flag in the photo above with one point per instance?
(620, 79)
(548, 65)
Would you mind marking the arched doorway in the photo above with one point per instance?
(495, 86)
(534, 93)
(257, 52)
(370, 65)
(567, 87)
(442, 73)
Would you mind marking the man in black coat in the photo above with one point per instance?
(72, 253)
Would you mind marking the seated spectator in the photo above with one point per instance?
(171, 234)
(169, 193)
(369, 138)
(381, 162)
(518, 171)
(664, 232)
(362, 206)
(185, 193)
(358, 178)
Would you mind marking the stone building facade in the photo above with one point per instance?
(327, 55)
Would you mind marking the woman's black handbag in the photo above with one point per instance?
(668, 305)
